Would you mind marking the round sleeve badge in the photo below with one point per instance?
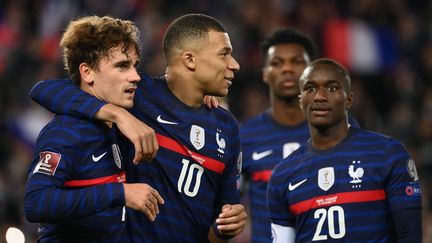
(412, 171)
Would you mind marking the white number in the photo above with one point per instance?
(322, 214)
(190, 174)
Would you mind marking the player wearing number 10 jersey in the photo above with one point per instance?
(197, 167)
(345, 184)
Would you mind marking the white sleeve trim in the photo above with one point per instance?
(283, 234)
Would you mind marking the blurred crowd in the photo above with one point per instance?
(386, 44)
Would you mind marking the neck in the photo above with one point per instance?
(287, 112)
(326, 138)
(182, 87)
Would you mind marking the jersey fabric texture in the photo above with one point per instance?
(74, 187)
(346, 193)
(196, 169)
(264, 144)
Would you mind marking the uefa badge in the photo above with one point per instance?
(326, 178)
(412, 171)
(197, 136)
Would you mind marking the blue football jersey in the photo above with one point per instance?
(346, 193)
(264, 143)
(74, 188)
(197, 167)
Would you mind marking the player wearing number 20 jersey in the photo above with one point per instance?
(347, 193)
(196, 169)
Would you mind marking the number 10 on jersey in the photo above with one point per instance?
(187, 174)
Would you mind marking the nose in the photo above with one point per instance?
(287, 66)
(233, 65)
(134, 76)
(320, 94)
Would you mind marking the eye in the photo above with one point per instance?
(309, 88)
(275, 63)
(332, 88)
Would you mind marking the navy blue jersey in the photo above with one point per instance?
(74, 188)
(196, 170)
(264, 143)
(347, 193)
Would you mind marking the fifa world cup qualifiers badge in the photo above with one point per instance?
(48, 163)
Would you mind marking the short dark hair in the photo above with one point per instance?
(87, 39)
(188, 27)
(337, 66)
(288, 36)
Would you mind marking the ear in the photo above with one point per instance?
(189, 59)
(265, 75)
(86, 73)
(349, 100)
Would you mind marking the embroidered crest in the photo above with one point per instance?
(197, 136)
(326, 178)
(356, 174)
(220, 141)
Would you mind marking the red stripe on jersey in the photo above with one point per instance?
(175, 146)
(338, 198)
(121, 177)
(263, 175)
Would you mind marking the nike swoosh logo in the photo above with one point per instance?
(293, 187)
(160, 120)
(258, 156)
(96, 159)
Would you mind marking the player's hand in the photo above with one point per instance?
(144, 198)
(211, 101)
(142, 136)
(232, 219)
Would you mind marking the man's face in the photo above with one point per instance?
(284, 65)
(215, 65)
(323, 98)
(115, 80)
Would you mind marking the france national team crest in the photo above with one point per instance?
(220, 141)
(326, 178)
(197, 136)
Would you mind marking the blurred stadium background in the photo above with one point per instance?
(386, 44)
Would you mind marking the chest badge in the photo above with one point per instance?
(197, 136)
(326, 178)
(356, 174)
(221, 142)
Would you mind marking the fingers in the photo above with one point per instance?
(232, 219)
(215, 102)
(146, 146)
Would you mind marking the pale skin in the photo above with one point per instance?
(114, 80)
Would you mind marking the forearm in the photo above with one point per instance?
(408, 224)
(45, 205)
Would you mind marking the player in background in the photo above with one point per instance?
(273, 135)
(197, 167)
(345, 184)
(75, 188)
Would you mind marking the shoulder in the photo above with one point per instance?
(66, 131)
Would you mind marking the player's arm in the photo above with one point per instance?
(408, 225)
(282, 222)
(63, 97)
(231, 217)
(45, 202)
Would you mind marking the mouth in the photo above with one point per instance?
(229, 80)
(320, 110)
(130, 91)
